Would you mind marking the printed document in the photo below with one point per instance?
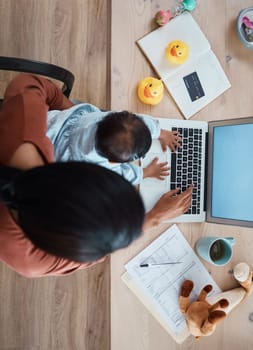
(158, 287)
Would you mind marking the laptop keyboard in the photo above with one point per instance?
(186, 165)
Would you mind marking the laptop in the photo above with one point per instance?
(217, 157)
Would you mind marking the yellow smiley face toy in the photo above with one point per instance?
(150, 91)
(177, 52)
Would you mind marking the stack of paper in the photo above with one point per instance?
(158, 287)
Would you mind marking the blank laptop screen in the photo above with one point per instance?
(232, 172)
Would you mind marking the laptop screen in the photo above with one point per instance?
(231, 180)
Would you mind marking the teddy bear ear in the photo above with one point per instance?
(186, 288)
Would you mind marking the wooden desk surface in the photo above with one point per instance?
(132, 327)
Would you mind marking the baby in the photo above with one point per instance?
(114, 140)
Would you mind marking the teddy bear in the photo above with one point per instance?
(203, 314)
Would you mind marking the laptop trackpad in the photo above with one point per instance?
(152, 189)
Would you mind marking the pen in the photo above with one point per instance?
(157, 264)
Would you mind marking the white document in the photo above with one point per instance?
(159, 286)
(194, 83)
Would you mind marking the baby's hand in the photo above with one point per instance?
(157, 170)
(170, 139)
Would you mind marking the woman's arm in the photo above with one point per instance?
(26, 156)
(26, 102)
(39, 89)
(66, 103)
(169, 206)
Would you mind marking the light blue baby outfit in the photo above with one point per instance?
(72, 133)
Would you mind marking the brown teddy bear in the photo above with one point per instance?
(204, 314)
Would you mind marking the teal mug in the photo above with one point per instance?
(215, 250)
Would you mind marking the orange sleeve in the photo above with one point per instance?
(23, 117)
(19, 253)
(45, 91)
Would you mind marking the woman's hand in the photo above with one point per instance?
(156, 170)
(169, 206)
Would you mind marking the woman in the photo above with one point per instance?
(57, 218)
(75, 212)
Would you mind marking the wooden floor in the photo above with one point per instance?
(66, 313)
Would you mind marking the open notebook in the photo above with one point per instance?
(158, 287)
(194, 83)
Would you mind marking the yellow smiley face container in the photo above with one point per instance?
(150, 91)
(177, 52)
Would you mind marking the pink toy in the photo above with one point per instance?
(247, 22)
(162, 17)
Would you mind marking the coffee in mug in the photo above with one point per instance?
(215, 250)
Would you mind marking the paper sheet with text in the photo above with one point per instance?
(161, 284)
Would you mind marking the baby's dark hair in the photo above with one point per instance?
(122, 137)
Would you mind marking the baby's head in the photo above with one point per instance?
(122, 137)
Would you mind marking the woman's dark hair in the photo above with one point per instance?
(74, 210)
(122, 137)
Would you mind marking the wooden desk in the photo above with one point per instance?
(132, 327)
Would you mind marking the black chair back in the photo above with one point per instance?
(41, 68)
